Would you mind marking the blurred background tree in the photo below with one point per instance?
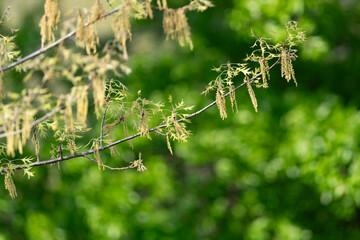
(290, 171)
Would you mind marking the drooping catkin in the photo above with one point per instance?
(169, 23)
(234, 106)
(91, 39)
(10, 138)
(69, 120)
(162, 4)
(9, 185)
(169, 144)
(264, 68)
(27, 117)
(221, 103)
(70, 127)
(17, 140)
(252, 95)
(80, 32)
(287, 69)
(176, 26)
(148, 9)
(99, 86)
(82, 104)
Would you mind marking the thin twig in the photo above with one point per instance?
(111, 168)
(91, 151)
(36, 143)
(103, 120)
(60, 152)
(158, 132)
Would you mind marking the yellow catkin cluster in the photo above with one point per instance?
(49, 20)
(221, 103)
(82, 104)
(87, 36)
(287, 69)
(176, 26)
(252, 95)
(122, 28)
(99, 93)
(10, 186)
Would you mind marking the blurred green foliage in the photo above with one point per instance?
(291, 171)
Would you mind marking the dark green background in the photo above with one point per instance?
(290, 171)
